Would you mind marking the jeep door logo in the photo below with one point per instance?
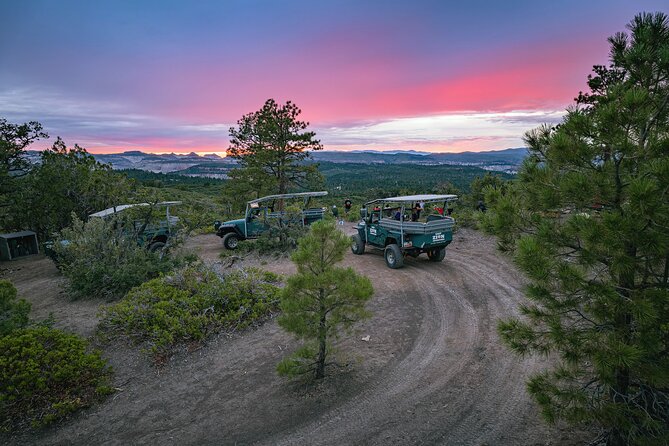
(372, 231)
(438, 237)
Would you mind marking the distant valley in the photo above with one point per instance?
(214, 166)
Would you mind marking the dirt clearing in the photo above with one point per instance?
(432, 372)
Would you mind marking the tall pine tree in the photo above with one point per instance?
(14, 140)
(589, 222)
(271, 146)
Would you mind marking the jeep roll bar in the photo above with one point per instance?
(402, 200)
(254, 204)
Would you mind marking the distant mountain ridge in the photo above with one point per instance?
(511, 158)
(212, 165)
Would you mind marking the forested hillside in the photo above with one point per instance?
(392, 178)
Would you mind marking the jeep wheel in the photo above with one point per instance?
(357, 245)
(436, 255)
(393, 256)
(230, 241)
(156, 246)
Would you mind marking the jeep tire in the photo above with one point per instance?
(156, 246)
(393, 256)
(357, 245)
(436, 255)
(230, 241)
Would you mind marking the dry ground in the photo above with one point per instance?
(432, 372)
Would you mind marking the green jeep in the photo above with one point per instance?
(402, 226)
(141, 223)
(150, 233)
(260, 211)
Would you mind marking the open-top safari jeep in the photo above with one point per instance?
(408, 225)
(151, 231)
(260, 211)
(141, 220)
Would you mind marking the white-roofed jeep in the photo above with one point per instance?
(260, 211)
(407, 225)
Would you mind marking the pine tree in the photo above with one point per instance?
(14, 140)
(271, 146)
(67, 181)
(320, 300)
(589, 222)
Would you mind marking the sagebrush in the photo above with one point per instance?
(189, 305)
(13, 312)
(45, 374)
(101, 259)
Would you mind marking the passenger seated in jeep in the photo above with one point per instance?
(415, 213)
(387, 211)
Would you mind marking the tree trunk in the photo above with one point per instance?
(665, 279)
(322, 335)
(623, 325)
(283, 186)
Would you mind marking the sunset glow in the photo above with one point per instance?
(173, 77)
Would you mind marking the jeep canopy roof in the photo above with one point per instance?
(296, 195)
(121, 207)
(425, 198)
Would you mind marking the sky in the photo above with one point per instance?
(174, 76)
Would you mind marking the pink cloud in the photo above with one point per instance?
(339, 90)
(337, 82)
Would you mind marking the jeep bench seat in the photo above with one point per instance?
(414, 227)
(313, 212)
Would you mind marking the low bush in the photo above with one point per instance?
(100, 258)
(282, 233)
(189, 305)
(280, 239)
(13, 312)
(353, 215)
(465, 218)
(45, 374)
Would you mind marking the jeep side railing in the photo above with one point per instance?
(439, 224)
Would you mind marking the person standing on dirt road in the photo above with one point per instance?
(335, 214)
(347, 207)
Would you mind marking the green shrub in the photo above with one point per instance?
(283, 233)
(100, 258)
(465, 217)
(280, 239)
(354, 214)
(189, 305)
(45, 374)
(13, 312)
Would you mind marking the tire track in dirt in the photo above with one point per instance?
(467, 388)
(434, 371)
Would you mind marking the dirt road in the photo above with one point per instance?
(432, 372)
